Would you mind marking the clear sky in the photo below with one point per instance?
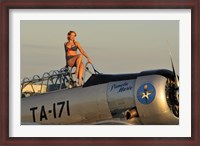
(114, 46)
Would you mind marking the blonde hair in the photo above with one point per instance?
(69, 33)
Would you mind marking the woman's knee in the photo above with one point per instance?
(80, 56)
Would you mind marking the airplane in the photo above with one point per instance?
(145, 98)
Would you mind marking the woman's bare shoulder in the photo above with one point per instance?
(77, 43)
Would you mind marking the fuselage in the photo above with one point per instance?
(104, 98)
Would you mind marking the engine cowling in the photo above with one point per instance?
(153, 101)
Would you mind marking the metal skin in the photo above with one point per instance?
(85, 105)
(158, 111)
(143, 98)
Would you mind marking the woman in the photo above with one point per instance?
(74, 59)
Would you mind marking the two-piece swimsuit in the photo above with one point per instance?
(74, 48)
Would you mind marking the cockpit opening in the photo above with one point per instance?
(54, 80)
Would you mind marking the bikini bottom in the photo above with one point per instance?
(69, 57)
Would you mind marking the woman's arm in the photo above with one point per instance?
(83, 52)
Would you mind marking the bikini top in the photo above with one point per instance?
(74, 48)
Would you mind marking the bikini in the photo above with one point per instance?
(74, 48)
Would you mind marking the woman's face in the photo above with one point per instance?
(72, 36)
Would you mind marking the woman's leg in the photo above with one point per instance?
(72, 62)
(81, 70)
(78, 63)
(77, 60)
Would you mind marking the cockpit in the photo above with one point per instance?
(63, 78)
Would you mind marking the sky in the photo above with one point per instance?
(114, 46)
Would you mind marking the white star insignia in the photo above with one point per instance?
(146, 95)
